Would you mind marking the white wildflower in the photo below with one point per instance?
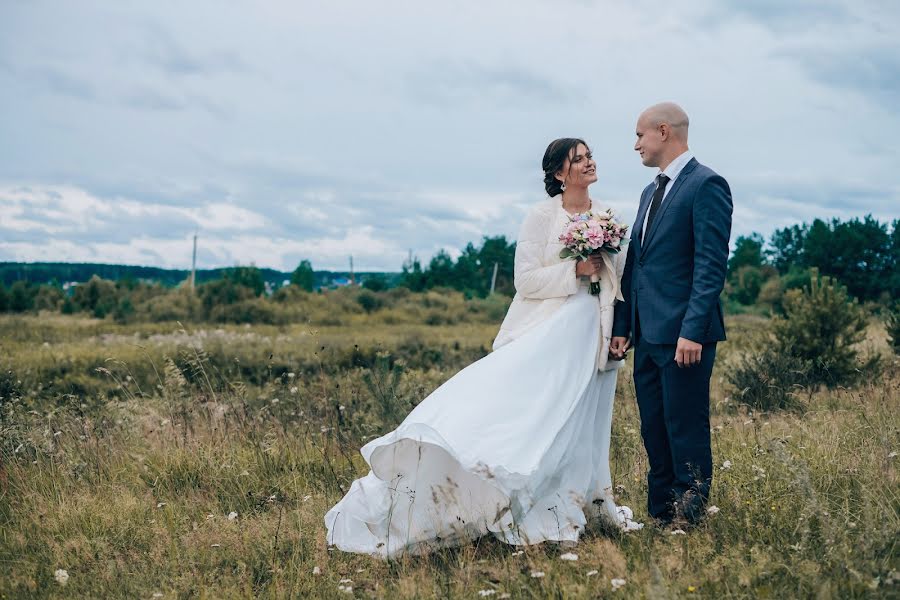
(305, 498)
(569, 556)
(294, 390)
(592, 573)
(616, 583)
(678, 532)
(347, 589)
(726, 465)
(160, 504)
(317, 570)
(537, 574)
(485, 593)
(232, 516)
(712, 509)
(210, 517)
(518, 553)
(61, 576)
(215, 545)
(157, 594)
(291, 375)
(345, 581)
(893, 454)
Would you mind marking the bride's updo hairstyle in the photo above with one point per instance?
(554, 158)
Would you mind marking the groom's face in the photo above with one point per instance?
(649, 143)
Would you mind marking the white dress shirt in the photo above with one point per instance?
(672, 172)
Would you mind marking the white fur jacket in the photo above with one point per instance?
(543, 280)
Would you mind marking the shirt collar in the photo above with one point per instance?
(675, 167)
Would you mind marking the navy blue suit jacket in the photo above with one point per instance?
(673, 279)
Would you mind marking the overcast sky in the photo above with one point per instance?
(289, 130)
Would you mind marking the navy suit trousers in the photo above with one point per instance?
(674, 407)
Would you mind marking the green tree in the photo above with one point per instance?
(248, 277)
(375, 283)
(303, 276)
(413, 277)
(786, 248)
(21, 296)
(748, 252)
(4, 299)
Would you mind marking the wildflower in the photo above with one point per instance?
(518, 552)
(210, 517)
(291, 375)
(317, 570)
(485, 593)
(275, 401)
(711, 510)
(537, 574)
(569, 556)
(215, 545)
(592, 573)
(345, 581)
(61, 576)
(160, 504)
(726, 465)
(616, 583)
(678, 532)
(294, 390)
(692, 589)
(307, 497)
(892, 454)
(347, 589)
(157, 594)
(232, 516)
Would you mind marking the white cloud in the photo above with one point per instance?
(284, 132)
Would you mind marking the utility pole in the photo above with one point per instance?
(194, 265)
(352, 277)
(494, 278)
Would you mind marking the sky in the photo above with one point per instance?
(283, 131)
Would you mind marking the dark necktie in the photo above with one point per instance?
(661, 181)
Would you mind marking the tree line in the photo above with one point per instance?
(861, 254)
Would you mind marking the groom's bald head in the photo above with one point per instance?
(662, 134)
(669, 113)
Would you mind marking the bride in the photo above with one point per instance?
(517, 443)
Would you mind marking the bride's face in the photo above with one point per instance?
(579, 170)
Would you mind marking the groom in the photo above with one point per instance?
(673, 276)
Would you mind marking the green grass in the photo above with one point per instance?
(128, 484)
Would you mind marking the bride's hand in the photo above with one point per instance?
(591, 266)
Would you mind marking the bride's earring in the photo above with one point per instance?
(563, 186)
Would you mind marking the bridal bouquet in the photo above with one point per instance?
(591, 233)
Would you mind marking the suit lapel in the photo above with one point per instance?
(639, 222)
(667, 201)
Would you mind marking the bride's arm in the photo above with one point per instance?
(532, 278)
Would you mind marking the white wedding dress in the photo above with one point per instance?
(516, 444)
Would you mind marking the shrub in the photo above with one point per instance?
(822, 326)
(893, 327)
(768, 380)
(369, 301)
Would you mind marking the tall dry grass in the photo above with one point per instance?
(202, 462)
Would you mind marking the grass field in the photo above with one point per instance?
(156, 461)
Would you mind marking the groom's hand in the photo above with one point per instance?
(618, 346)
(687, 353)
